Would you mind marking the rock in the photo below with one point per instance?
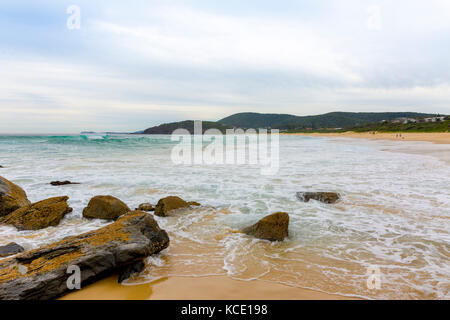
(1, 167)
(273, 227)
(129, 270)
(193, 203)
(10, 249)
(62, 183)
(105, 207)
(326, 197)
(12, 197)
(39, 215)
(167, 204)
(42, 274)
(146, 207)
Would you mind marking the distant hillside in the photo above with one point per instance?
(439, 126)
(168, 128)
(328, 120)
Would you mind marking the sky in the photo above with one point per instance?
(107, 65)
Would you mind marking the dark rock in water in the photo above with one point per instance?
(105, 207)
(167, 204)
(146, 207)
(39, 215)
(42, 274)
(12, 197)
(326, 197)
(10, 249)
(1, 167)
(129, 270)
(62, 183)
(194, 203)
(273, 227)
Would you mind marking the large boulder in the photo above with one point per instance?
(10, 249)
(105, 207)
(167, 204)
(273, 227)
(39, 215)
(12, 197)
(43, 273)
(326, 197)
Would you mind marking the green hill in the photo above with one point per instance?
(328, 120)
(168, 128)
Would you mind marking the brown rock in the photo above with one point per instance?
(146, 207)
(12, 197)
(62, 183)
(105, 207)
(42, 274)
(167, 204)
(273, 227)
(39, 215)
(326, 197)
(10, 249)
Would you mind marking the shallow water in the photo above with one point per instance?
(394, 213)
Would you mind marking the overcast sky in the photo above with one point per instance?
(134, 64)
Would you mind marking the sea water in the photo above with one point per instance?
(393, 216)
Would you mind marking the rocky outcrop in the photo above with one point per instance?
(12, 197)
(105, 207)
(130, 270)
(10, 249)
(62, 183)
(39, 215)
(167, 204)
(43, 273)
(146, 207)
(273, 227)
(326, 197)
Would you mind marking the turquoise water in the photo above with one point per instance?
(394, 213)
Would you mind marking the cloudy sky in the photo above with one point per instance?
(134, 64)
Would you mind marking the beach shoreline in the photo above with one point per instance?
(197, 288)
(434, 137)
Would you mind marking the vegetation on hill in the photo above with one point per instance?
(440, 126)
(168, 128)
(324, 121)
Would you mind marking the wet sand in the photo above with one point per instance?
(196, 288)
(435, 137)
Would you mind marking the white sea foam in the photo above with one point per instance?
(394, 213)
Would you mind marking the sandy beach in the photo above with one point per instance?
(435, 137)
(196, 288)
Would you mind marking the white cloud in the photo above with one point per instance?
(218, 42)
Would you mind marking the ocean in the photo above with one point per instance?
(392, 222)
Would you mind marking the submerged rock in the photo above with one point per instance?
(43, 273)
(10, 249)
(167, 204)
(62, 183)
(105, 207)
(39, 215)
(273, 227)
(146, 207)
(326, 197)
(129, 270)
(12, 197)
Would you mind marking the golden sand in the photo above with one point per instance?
(435, 137)
(201, 288)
